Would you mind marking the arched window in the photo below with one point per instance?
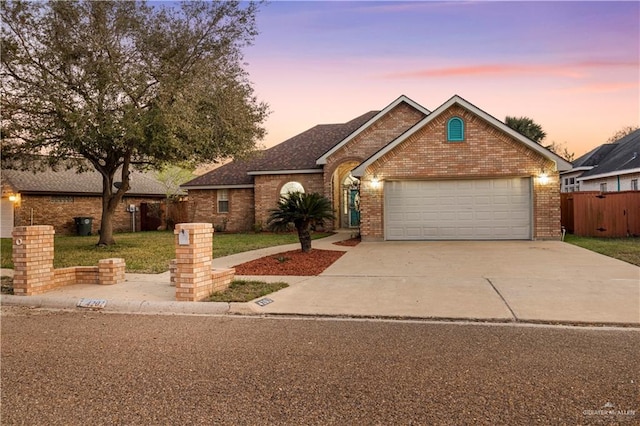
(455, 129)
(290, 187)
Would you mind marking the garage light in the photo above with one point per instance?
(375, 182)
(543, 178)
(14, 198)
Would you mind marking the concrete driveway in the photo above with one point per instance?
(514, 281)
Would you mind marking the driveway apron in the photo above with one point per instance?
(494, 280)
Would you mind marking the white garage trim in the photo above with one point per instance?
(478, 209)
(6, 218)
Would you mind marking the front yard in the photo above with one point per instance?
(148, 252)
(626, 249)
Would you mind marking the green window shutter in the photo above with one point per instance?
(455, 129)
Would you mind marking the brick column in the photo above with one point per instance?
(33, 259)
(194, 253)
(111, 271)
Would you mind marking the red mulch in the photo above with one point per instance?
(349, 243)
(291, 263)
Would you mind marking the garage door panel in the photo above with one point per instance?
(462, 209)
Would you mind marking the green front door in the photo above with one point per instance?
(354, 208)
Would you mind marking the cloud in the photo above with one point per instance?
(601, 88)
(570, 70)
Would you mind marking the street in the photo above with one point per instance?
(79, 368)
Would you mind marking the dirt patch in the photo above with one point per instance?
(290, 263)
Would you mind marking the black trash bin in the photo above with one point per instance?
(83, 225)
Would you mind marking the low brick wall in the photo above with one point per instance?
(33, 264)
(220, 281)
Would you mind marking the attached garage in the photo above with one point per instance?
(474, 209)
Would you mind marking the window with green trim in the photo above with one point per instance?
(455, 129)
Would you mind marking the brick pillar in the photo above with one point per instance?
(111, 271)
(33, 259)
(194, 253)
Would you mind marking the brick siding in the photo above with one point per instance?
(384, 130)
(59, 211)
(485, 153)
(203, 208)
(267, 190)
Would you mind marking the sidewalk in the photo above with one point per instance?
(500, 281)
(152, 292)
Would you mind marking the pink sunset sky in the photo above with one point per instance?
(573, 67)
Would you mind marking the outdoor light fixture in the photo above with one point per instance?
(543, 178)
(14, 198)
(375, 182)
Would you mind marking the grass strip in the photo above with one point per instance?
(246, 291)
(625, 249)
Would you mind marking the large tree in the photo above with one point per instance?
(527, 127)
(124, 84)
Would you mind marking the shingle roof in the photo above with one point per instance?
(297, 153)
(70, 182)
(593, 157)
(624, 154)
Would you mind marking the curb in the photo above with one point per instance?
(119, 306)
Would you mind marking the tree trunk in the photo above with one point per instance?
(111, 201)
(106, 225)
(305, 238)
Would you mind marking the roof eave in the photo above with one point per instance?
(236, 186)
(610, 174)
(284, 172)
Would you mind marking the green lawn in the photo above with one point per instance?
(626, 249)
(147, 252)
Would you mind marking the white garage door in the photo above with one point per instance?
(484, 209)
(6, 218)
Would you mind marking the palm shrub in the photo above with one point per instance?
(303, 210)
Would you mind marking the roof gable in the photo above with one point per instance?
(561, 163)
(323, 159)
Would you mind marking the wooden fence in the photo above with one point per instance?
(601, 214)
(163, 215)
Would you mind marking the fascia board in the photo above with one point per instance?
(285, 172)
(323, 160)
(610, 174)
(217, 186)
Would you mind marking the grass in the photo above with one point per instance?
(246, 291)
(625, 249)
(146, 252)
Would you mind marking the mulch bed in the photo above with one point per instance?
(349, 243)
(291, 263)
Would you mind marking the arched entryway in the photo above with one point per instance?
(346, 196)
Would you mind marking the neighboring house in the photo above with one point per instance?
(402, 173)
(611, 167)
(57, 197)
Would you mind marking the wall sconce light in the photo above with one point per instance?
(375, 181)
(543, 178)
(14, 198)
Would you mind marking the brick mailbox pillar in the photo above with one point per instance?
(33, 259)
(194, 248)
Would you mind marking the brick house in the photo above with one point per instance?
(56, 197)
(401, 173)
